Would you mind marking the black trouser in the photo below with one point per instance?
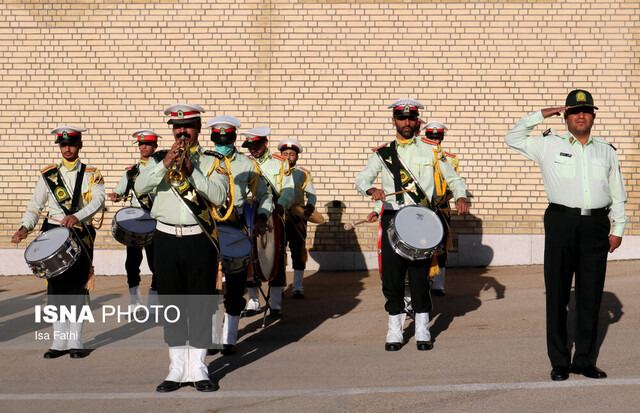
(72, 283)
(132, 265)
(186, 269)
(296, 234)
(574, 244)
(394, 267)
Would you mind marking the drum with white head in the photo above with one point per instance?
(52, 252)
(235, 249)
(133, 227)
(416, 233)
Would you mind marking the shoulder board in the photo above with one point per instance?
(379, 147)
(450, 155)
(213, 153)
(48, 168)
(429, 141)
(129, 168)
(304, 169)
(159, 155)
(90, 169)
(604, 141)
(278, 157)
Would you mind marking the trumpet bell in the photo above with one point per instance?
(174, 178)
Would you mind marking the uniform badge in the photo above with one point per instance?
(407, 109)
(142, 136)
(581, 97)
(65, 135)
(61, 194)
(180, 114)
(404, 176)
(223, 131)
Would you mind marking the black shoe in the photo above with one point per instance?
(205, 385)
(167, 386)
(590, 371)
(78, 353)
(298, 295)
(277, 314)
(559, 373)
(212, 351)
(439, 293)
(424, 345)
(392, 346)
(54, 354)
(249, 313)
(229, 350)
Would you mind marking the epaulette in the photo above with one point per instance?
(278, 157)
(90, 169)
(159, 155)
(129, 168)
(450, 155)
(604, 141)
(48, 168)
(429, 141)
(379, 147)
(213, 153)
(303, 169)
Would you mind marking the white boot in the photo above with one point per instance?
(297, 280)
(275, 299)
(179, 357)
(438, 280)
(152, 299)
(253, 303)
(423, 336)
(60, 333)
(230, 329)
(75, 336)
(198, 370)
(136, 299)
(394, 333)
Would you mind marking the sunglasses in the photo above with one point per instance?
(581, 109)
(405, 117)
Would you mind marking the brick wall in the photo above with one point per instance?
(324, 72)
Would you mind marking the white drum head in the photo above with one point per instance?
(228, 235)
(419, 227)
(46, 244)
(135, 220)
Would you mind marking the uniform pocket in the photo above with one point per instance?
(565, 166)
(600, 169)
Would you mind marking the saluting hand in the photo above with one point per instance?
(548, 112)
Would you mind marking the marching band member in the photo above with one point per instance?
(407, 160)
(74, 193)
(434, 134)
(248, 186)
(147, 141)
(295, 226)
(277, 174)
(186, 181)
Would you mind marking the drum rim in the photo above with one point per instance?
(277, 229)
(69, 236)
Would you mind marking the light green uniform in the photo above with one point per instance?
(167, 208)
(276, 170)
(246, 177)
(420, 159)
(122, 185)
(304, 188)
(574, 175)
(91, 201)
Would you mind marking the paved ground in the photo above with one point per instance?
(327, 354)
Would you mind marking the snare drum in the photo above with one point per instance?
(415, 233)
(133, 227)
(52, 253)
(235, 249)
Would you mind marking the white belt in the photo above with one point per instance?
(178, 230)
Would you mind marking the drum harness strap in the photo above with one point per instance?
(57, 187)
(145, 200)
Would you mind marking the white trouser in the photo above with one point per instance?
(297, 280)
(275, 299)
(230, 329)
(60, 333)
(253, 303)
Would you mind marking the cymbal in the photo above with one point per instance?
(315, 217)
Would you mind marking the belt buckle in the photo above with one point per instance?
(178, 231)
(585, 212)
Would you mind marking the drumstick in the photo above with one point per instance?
(397, 193)
(121, 198)
(269, 229)
(52, 219)
(349, 226)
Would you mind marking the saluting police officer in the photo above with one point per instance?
(405, 151)
(277, 174)
(147, 141)
(295, 226)
(186, 180)
(584, 221)
(74, 193)
(248, 186)
(434, 132)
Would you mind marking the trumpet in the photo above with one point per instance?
(174, 176)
